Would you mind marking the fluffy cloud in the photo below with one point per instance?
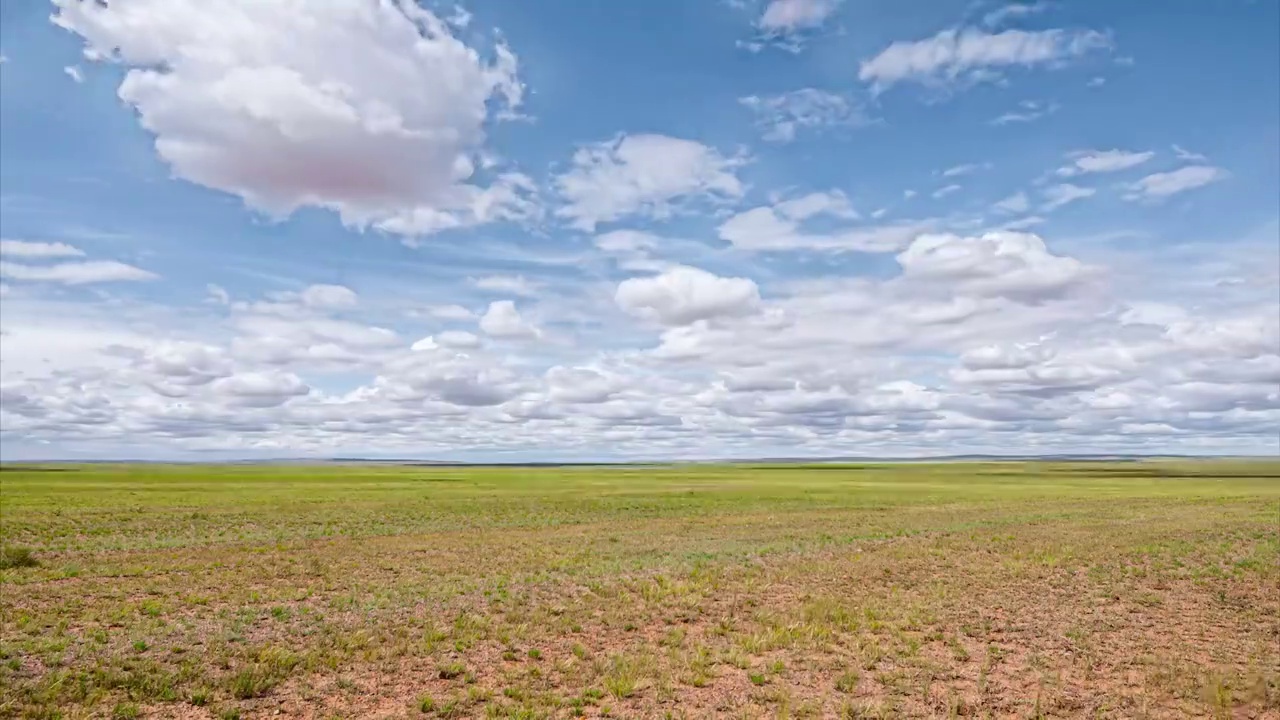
(781, 117)
(261, 389)
(973, 338)
(643, 174)
(1162, 185)
(1103, 161)
(963, 54)
(453, 339)
(503, 320)
(683, 295)
(384, 132)
(27, 249)
(76, 273)
(331, 297)
(1003, 263)
(790, 15)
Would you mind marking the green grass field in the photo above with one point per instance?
(1122, 590)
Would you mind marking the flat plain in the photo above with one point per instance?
(1113, 590)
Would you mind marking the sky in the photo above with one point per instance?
(671, 229)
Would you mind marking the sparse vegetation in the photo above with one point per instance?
(959, 590)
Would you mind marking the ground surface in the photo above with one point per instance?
(988, 590)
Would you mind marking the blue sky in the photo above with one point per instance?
(618, 230)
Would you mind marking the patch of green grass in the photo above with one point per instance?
(13, 556)
(656, 581)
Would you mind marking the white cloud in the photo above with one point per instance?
(1055, 196)
(1096, 82)
(778, 227)
(1162, 185)
(781, 116)
(329, 297)
(451, 312)
(965, 169)
(683, 295)
(28, 249)
(1001, 16)
(1191, 157)
(784, 16)
(1004, 263)
(1023, 223)
(977, 342)
(503, 320)
(76, 273)
(261, 389)
(1015, 203)
(1103, 161)
(452, 339)
(384, 132)
(963, 54)
(74, 73)
(507, 285)
(643, 175)
(1029, 111)
(946, 190)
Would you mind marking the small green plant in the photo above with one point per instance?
(757, 678)
(125, 711)
(451, 670)
(140, 645)
(14, 556)
(426, 704)
(229, 714)
(200, 697)
(535, 654)
(847, 682)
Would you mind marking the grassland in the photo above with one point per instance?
(1122, 590)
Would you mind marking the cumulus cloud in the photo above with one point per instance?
(972, 337)
(946, 190)
(383, 132)
(76, 273)
(1004, 263)
(652, 175)
(453, 339)
(261, 389)
(791, 15)
(965, 54)
(780, 117)
(503, 320)
(1161, 185)
(683, 295)
(1103, 161)
(28, 249)
(330, 297)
